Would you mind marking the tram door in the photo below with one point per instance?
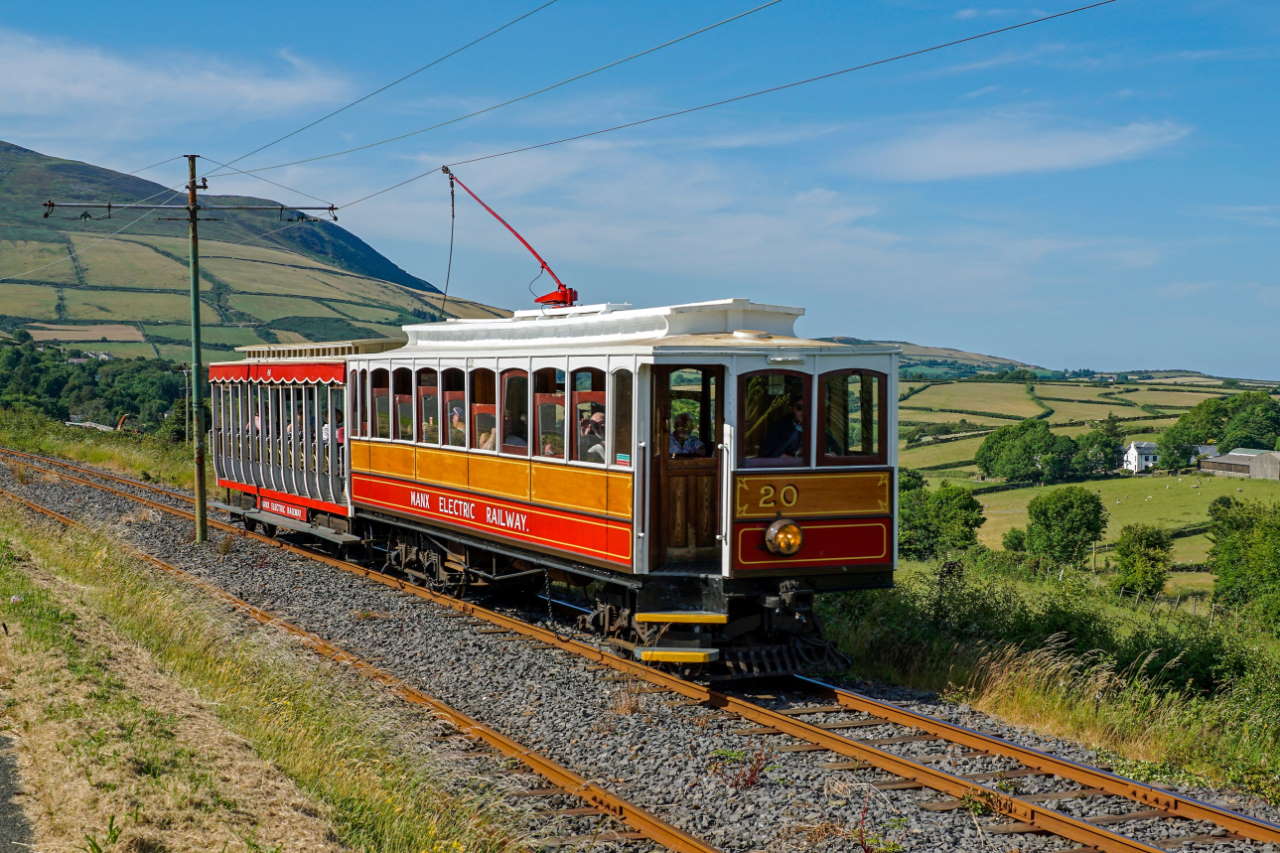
(685, 465)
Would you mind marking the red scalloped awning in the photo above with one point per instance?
(316, 371)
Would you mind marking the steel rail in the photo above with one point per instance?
(1032, 814)
(651, 826)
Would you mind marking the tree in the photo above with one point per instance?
(1100, 450)
(1144, 555)
(1064, 523)
(1014, 539)
(909, 479)
(934, 521)
(1026, 452)
(1257, 425)
(1245, 555)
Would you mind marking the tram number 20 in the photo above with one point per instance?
(772, 497)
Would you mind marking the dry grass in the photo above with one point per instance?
(110, 747)
(1004, 397)
(324, 729)
(98, 331)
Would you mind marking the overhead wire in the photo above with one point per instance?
(395, 82)
(737, 98)
(265, 180)
(526, 96)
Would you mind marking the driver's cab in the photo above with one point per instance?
(751, 426)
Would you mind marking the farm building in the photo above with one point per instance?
(1139, 456)
(1245, 462)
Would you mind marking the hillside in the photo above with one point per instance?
(943, 362)
(127, 294)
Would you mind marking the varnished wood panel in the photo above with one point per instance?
(359, 455)
(445, 467)
(394, 460)
(576, 488)
(494, 475)
(620, 495)
(803, 494)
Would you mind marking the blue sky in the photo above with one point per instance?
(1096, 191)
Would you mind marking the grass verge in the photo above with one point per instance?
(150, 457)
(315, 722)
(1168, 691)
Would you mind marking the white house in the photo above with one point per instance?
(1139, 456)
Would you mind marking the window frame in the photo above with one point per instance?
(807, 398)
(474, 410)
(572, 437)
(611, 433)
(825, 460)
(504, 376)
(420, 435)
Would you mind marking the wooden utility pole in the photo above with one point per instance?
(197, 371)
(193, 208)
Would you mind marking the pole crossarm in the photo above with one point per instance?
(49, 207)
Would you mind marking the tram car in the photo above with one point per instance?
(687, 477)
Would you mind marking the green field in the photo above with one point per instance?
(29, 300)
(367, 312)
(117, 263)
(1065, 412)
(268, 308)
(1163, 501)
(1076, 391)
(1008, 398)
(233, 335)
(1170, 398)
(103, 305)
(28, 259)
(929, 417)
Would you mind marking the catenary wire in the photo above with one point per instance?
(395, 82)
(527, 95)
(737, 98)
(154, 165)
(264, 180)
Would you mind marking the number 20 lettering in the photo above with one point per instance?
(771, 496)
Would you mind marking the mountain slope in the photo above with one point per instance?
(945, 360)
(28, 179)
(72, 280)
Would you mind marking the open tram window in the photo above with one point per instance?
(453, 396)
(380, 382)
(620, 410)
(548, 412)
(693, 396)
(428, 406)
(773, 419)
(589, 415)
(853, 415)
(402, 381)
(515, 412)
(483, 416)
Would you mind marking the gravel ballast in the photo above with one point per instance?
(685, 763)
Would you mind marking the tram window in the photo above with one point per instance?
(620, 410)
(381, 404)
(853, 408)
(694, 398)
(428, 406)
(589, 415)
(454, 401)
(548, 412)
(515, 412)
(402, 379)
(483, 420)
(773, 419)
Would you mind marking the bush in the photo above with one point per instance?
(1015, 539)
(1064, 523)
(1143, 576)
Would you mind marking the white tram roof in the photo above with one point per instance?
(733, 324)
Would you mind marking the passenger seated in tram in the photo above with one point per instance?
(681, 442)
(785, 437)
(514, 434)
(591, 437)
(457, 427)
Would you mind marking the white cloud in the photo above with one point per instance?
(971, 13)
(1004, 146)
(122, 97)
(1261, 215)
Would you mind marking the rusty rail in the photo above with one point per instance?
(651, 826)
(1034, 815)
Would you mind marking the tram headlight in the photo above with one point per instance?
(784, 537)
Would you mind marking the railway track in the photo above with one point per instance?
(1092, 808)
